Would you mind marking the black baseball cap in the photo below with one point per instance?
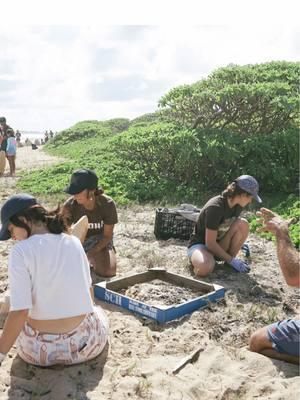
(11, 207)
(82, 179)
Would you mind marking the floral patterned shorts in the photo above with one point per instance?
(83, 343)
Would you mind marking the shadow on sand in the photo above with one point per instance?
(57, 382)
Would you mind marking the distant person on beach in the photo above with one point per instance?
(52, 316)
(51, 134)
(219, 232)
(18, 137)
(90, 201)
(4, 128)
(46, 137)
(281, 339)
(3, 145)
(11, 151)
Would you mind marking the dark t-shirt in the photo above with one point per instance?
(104, 213)
(215, 215)
(6, 129)
(3, 144)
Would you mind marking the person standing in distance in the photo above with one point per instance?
(5, 130)
(11, 151)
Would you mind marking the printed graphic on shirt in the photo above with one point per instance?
(95, 225)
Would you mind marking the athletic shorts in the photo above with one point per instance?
(196, 246)
(285, 336)
(83, 343)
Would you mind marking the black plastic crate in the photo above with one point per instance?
(170, 224)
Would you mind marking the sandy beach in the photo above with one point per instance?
(138, 362)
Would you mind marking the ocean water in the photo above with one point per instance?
(32, 135)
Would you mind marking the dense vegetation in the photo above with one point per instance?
(241, 119)
(250, 99)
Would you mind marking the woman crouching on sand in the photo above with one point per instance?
(100, 214)
(51, 315)
(219, 232)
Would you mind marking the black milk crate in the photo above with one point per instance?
(170, 224)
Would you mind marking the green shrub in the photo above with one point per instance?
(248, 99)
(289, 208)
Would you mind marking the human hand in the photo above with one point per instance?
(239, 265)
(272, 222)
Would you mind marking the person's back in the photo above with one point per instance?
(51, 260)
(11, 147)
(50, 289)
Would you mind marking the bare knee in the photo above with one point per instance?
(242, 225)
(254, 342)
(103, 262)
(203, 265)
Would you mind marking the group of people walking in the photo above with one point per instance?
(8, 147)
(52, 314)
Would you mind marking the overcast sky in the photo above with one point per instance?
(52, 76)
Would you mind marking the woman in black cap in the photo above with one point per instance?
(219, 232)
(100, 210)
(52, 316)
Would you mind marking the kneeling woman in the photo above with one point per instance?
(100, 210)
(219, 232)
(51, 315)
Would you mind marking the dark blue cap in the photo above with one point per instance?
(11, 207)
(82, 179)
(250, 185)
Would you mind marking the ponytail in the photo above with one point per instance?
(99, 191)
(233, 190)
(54, 220)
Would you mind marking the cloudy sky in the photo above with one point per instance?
(53, 75)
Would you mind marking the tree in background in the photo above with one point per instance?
(249, 99)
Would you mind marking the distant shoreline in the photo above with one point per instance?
(31, 135)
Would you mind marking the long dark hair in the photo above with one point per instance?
(99, 191)
(54, 220)
(233, 190)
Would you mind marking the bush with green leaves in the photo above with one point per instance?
(164, 156)
(249, 99)
(162, 162)
(88, 129)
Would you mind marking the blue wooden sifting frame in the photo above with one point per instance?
(107, 291)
